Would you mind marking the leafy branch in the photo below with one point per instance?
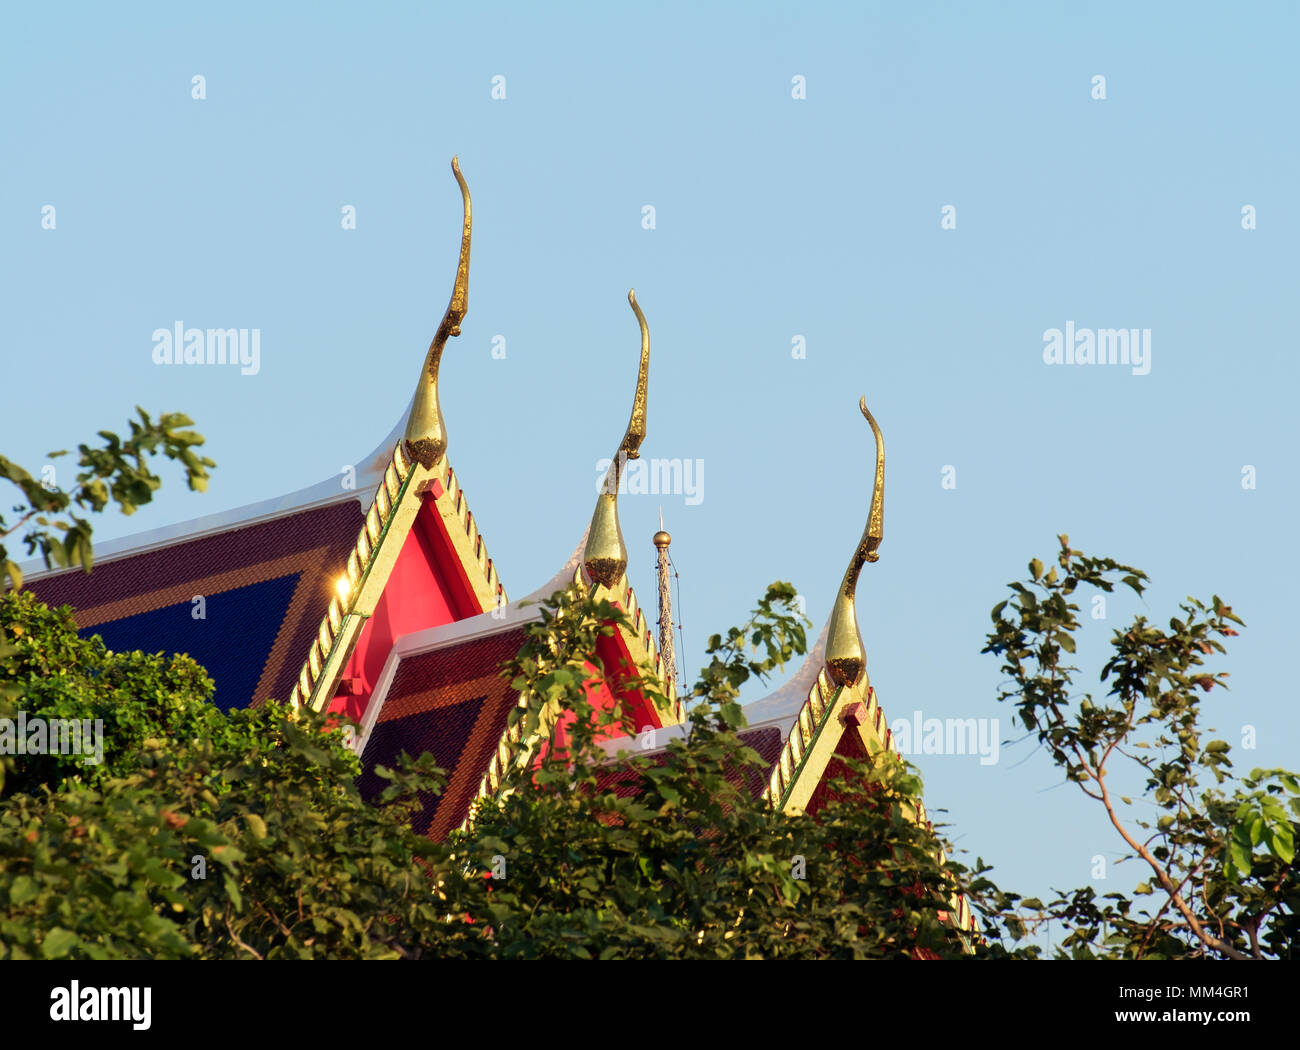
(117, 471)
(1225, 897)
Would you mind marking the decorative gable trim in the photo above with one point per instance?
(398, 499)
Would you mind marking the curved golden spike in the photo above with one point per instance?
(426, 431)
(635, 433)
(605, 556)
(846, 659)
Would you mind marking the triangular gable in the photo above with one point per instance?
(418, 561)
(441, 691)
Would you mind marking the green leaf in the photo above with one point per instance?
(1282, 843)
(22, 889)
(1240, 855)
(232, 889)
(58, 943)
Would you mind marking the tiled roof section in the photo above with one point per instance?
(374, 531)
(454, 703)
(264, 586)
(235, 665)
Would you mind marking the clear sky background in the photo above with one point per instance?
(775, 217)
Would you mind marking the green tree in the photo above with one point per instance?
(639, 857)
(200, 834)
(672, 855)
(1219, 856)
(243, 835)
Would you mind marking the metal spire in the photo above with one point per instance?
(661, 541)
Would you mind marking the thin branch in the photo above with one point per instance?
(1202, 934)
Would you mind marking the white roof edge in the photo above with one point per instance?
(369, 475)
(658, 739)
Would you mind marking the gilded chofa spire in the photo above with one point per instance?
(845, 657)
(426, 431)
(605, 557)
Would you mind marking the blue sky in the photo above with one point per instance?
(775, 217)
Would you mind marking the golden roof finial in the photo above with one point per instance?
(426, 431)
(846, 659)
(605, 557)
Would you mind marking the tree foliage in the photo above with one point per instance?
(117, 471)
(1219, 855)
(671, 855)
(243, 835)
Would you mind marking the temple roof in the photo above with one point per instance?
(441, 691)
(379, 602)
(301, 597)
(250, 592)
(264, 574)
